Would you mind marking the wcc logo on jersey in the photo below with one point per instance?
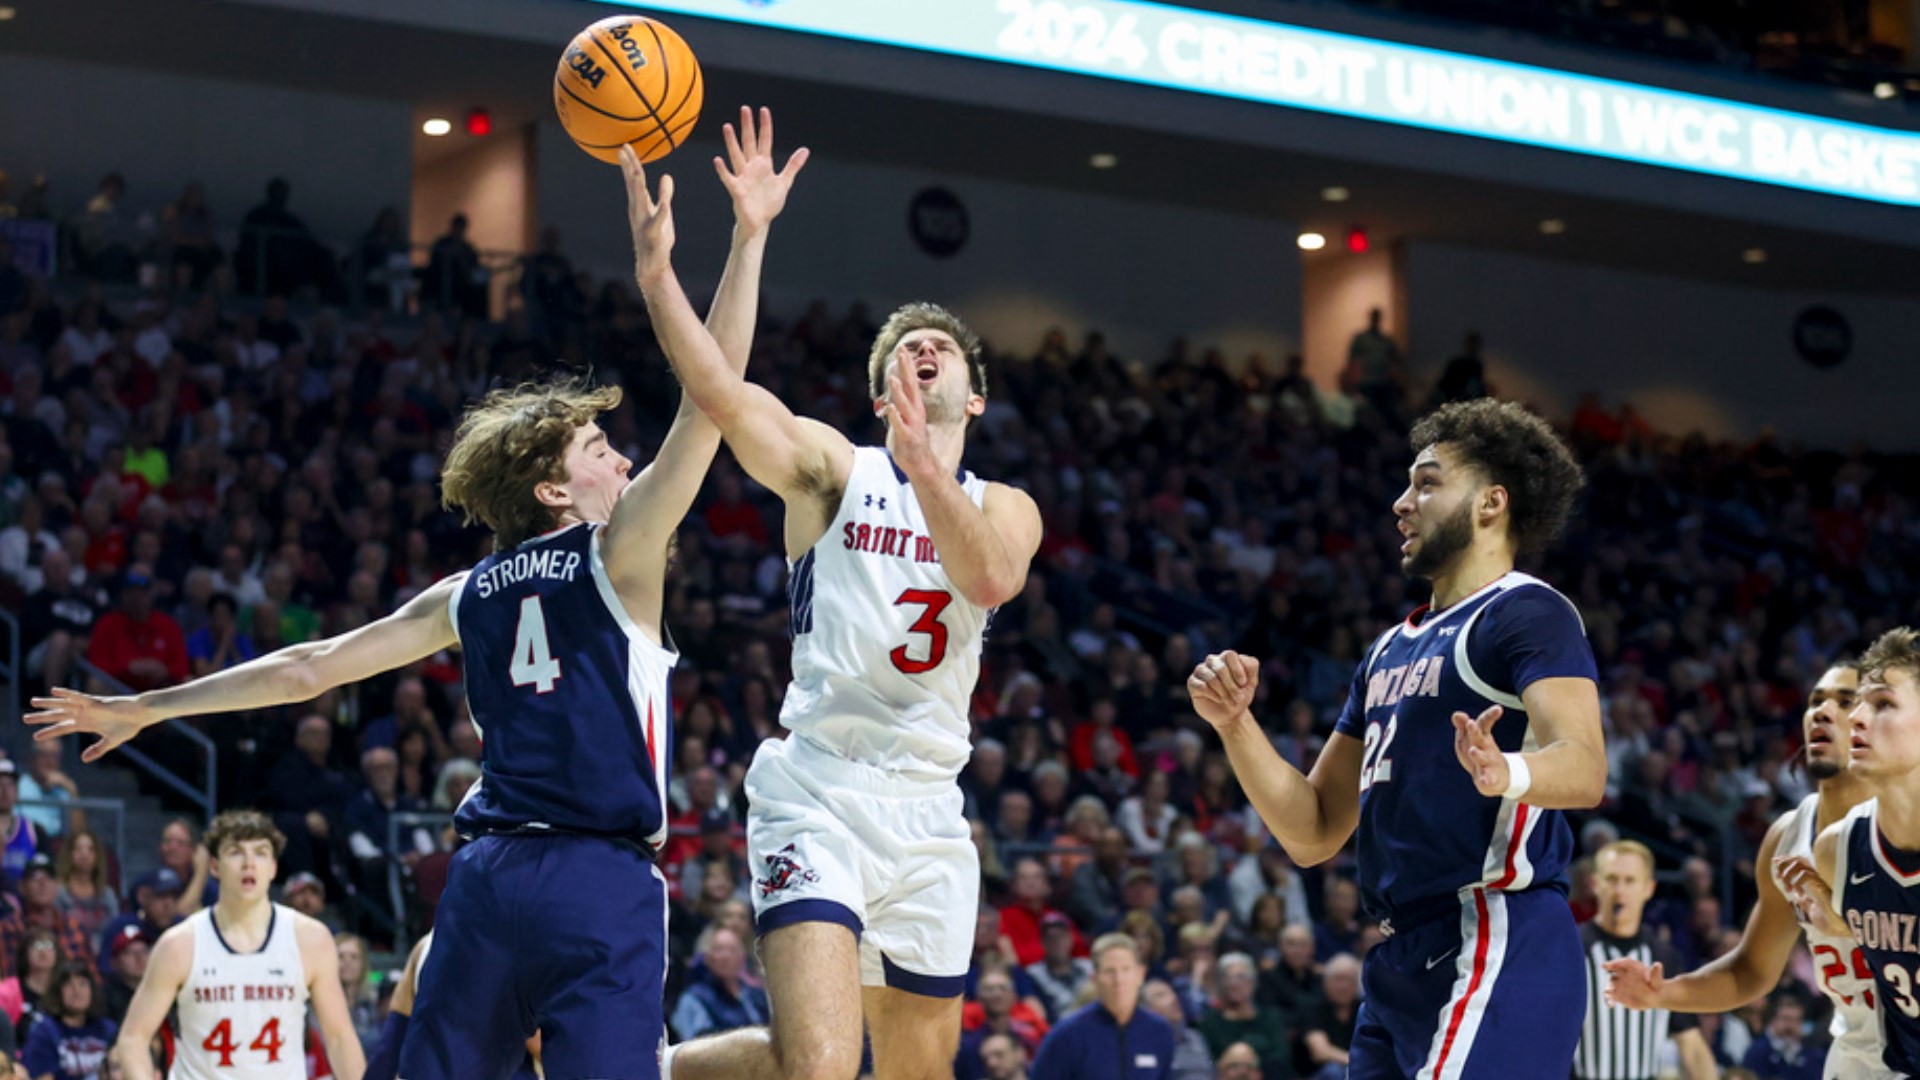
(782, 871)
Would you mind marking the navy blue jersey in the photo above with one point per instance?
(1425, 832)
(570, 696)
(1881, 903)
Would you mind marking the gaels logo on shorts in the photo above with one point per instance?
(782, 871)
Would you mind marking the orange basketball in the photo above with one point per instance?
(625, 80)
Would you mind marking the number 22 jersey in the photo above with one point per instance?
(886, 650)
(1426, 833)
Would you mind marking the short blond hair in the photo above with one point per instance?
(512, 441)
(1627, 847)
(923, 316)
(1106, 943)
(1896, 650)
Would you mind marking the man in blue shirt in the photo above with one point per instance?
(1113, 1036)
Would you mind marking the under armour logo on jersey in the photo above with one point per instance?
(277, 973)
(880, 502)
(782, 871)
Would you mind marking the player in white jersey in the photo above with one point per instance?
(866, 878)
(1754, 967)
(243, 974)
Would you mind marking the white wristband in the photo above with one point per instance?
(1519, 777)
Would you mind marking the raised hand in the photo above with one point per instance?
(1633, 984)
(906, 416)
(1473, 745)
(1222, 687)
(650, 219)
(759, 190)
(70, 712)
(1811, 895)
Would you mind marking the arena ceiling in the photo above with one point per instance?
(1855, 247)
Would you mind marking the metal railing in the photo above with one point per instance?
(12, 673)
(205, 795)
(84, 813)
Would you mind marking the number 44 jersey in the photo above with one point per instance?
(886, 650)
(243, 1016)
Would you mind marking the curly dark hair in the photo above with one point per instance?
(1518, 451)
(235, 826)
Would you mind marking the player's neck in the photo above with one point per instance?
(1480, 565)
(1838, 795)
(949, 442)
(237, 915)
(1619, 926)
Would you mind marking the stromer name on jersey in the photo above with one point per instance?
(543, 562)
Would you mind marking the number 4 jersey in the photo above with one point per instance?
(243, 1016)
(1426, 833)
(885, 649)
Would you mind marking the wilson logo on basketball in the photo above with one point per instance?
(630, 48)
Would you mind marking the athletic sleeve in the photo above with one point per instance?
(1532, 633)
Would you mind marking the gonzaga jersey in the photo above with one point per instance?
(1425, 832)
(1844, 975)
(569, 694)
(886, 650)
(1881, 903)
(243, 1016)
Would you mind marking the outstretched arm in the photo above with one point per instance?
(1312, 816)
(790, 456)
(985, 549)
(1745, 974)
(296, 673)
(653, 505)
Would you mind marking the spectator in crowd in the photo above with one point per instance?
(221, 643)
(1191, 1058)
(1237, 1016)
(1113, 1036)
(71, 1041)
(453, 280)
(1147, 818)
(127, 956)
(103, 236)
(1267, 872)
(1002, 1057)
(39, 908)
(1059, 976)
(20, 838)
(1021, 919)
(305, 893)
(1338, 930)
(181, 853)
(1783, 1051)
(188, 230)
(307, 796)
(85, 892)
(1374, 366)
(277, 255)
(29, 979)
(363, 1003)
(56, 621)
(719, 998)
(1295, 982)
(156, 899)
(369, 813)
(1241, 1062)
(717, 848)
(1328, 1026)
(1094, 896)
(136, 643)
(996, 1009)
(46, 783)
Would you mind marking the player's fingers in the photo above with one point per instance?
(732, 140)
(664, 204)
(97, 751)
(766, 131)
(1489, 718)
(1656, 971)
(1231, 671)
(795, 162)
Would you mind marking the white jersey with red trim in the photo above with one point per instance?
(1845, 978)
(243, 1016)
(886, 650)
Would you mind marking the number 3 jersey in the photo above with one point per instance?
(1877, 889)
(568, 692)
(243, 1016)
(1426, 833)
(886, 650)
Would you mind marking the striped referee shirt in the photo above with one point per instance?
(1618, 1043)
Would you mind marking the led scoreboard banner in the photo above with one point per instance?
(1229, 56)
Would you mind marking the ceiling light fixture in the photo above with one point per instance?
(437, 126)
(1104, 161)
(1311, 241)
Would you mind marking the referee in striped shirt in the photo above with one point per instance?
(1618, 1043)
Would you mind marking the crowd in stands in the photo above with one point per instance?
(192, 478)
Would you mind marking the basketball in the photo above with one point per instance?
(628, 80)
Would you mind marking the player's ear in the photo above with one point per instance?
(976, 404)
(1492, 502)
(552, 495)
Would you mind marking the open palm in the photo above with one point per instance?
(759, 190)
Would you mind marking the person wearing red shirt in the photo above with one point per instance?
(996, 1011)
(730, 514)
(1021, 920)
(134, 643)
(1100, 717)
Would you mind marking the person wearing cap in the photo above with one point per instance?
(307, 894)
(137, 643)
(23, 839)
(39, 907)
(1058, 976)
(127, 963)
(716, 847)
(156, 897)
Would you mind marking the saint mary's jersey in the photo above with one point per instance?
(1876, 887)
(1844, 975)
(243, 1016)
(886, 650)
(569, 694)
(1425, 832)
